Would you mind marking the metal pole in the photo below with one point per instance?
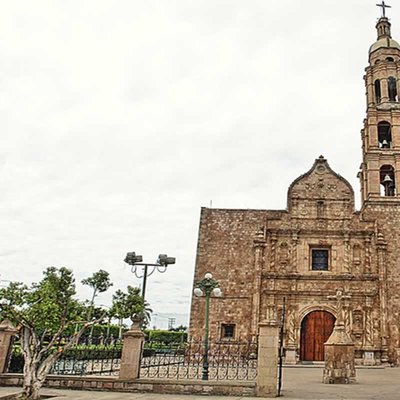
(281, 331)
(144, 281)
(205, 358)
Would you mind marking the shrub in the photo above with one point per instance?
(165, 337)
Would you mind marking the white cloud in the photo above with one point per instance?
(119, 120)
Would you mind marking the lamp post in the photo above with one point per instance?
(160, 265)
(206, 287)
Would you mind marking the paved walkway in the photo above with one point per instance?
(298, 383)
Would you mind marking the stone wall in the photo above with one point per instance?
(261, 257)
(387, 214)
(139, 385)
(225, 248)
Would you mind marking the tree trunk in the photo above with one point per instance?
(32, 384)
(31, 391)
(33, 379)
(39, 360)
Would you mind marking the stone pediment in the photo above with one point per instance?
(321, 193)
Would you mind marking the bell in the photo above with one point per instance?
(385, 144)
(387, 179)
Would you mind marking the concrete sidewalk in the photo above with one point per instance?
(298, 383)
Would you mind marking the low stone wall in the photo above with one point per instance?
(216, 388)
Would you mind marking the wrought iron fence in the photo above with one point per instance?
(100, 340)
(89, 361)
(78, 360)
(227, 360)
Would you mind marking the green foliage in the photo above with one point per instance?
(99, 281)
(130, 304)
(50, 320)
(46, 305)
(166, 337)
(103, 330)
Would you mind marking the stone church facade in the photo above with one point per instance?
(319, 244)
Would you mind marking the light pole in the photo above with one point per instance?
(160, 265)
(206, 287)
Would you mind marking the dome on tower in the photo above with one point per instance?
(384, 42)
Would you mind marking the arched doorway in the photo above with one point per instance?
(316, 328)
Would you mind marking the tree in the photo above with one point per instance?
(42, 313)
(99, 282)
(131, 305)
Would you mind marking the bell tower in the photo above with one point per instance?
(380, 170)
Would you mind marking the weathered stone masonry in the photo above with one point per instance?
(320, 243)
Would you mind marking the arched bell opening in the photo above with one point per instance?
(384, 135)
(387, 180)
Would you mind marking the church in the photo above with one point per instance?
(300, 256)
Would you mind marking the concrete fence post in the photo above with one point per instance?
(7, 331)
(267, 369)
(131, 353)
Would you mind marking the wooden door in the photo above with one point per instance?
(316, 328)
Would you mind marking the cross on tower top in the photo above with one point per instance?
(384, 7)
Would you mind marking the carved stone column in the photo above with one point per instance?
(273, 252)
(367, 262)
(369, 354)
(291, 337)
(382, 270)
(346, 254)
(293, 258)
(347, 316)
(259, 248)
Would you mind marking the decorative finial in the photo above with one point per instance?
(384, 7)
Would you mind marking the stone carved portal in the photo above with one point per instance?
(316, 328)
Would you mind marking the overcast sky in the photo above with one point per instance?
(120, 119)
